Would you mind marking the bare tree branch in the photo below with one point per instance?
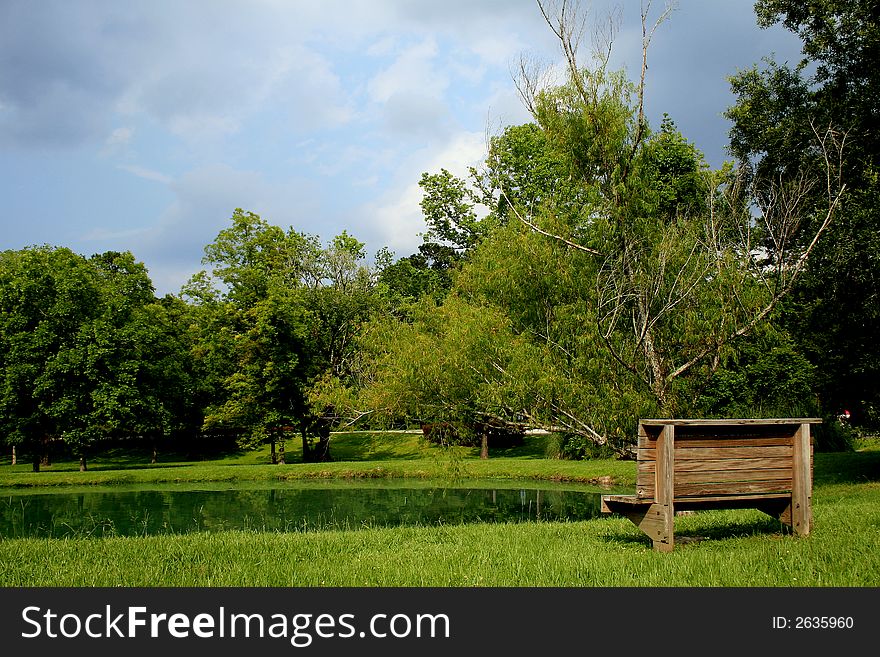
(574, 245)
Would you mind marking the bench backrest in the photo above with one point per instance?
(722, 458)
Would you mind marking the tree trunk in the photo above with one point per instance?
(14, 459)
(82, 463)
(36, 463)
(274, 457)
(484, 445)
(322, 450)
(307, 452)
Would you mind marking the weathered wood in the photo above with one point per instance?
(703, 453)
(665, 466)
(655, 520)
(802, 483)
(764, 464)
(723, 441)
(745, 501)
(708, 422)
(720, 488)
(733, 476)
(778, 463)
(621, 499)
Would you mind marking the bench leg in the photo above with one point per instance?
(657, 521)
(802, 483)
(780, 509)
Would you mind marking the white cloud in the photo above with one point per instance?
(119, 137)
(396, 219)
(413, 72)
(382, 47)
(146, 174)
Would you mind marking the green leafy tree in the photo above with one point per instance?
(85, 355)
(833, 313)
(48, 297)
(251, 338)
(442, 370)
(630, 282)
(277, 316)
(684, 260)
(340, 305)
(460, 213)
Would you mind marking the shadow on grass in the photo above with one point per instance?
(533, 447)
(709, 532)
(352, 452)
(119, 458)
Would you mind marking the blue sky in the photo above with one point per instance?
(142, 125)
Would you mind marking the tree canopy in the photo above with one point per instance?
(833, 312)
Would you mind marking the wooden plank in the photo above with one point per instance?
(748, 497)
(718, 476)
(706, 422)
(722, 488)
(724, 441)
(802, 487)
(621, 499)
(755, 431)
(735, 488)
(720, 464)
(704, 453)
(665, 466)
(646, 454)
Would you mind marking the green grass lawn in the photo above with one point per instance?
(718, 548)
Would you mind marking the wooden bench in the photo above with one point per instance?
(683, 465)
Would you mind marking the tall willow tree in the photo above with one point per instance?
(620, 272)
(678, 261)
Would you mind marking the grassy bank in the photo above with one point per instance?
(721, 548)
(356, 455)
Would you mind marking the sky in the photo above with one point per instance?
(143, 125)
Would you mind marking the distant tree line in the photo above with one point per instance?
(590, 272)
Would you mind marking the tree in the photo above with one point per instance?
(683, 267)
(76, 350)
(442, 369)
(46, 296)
(460, 213)
(253, 333)
(278, 316)
(249, 257)
(168, 402)
(264, 389)
(627, 274)
(833, 312)
(340, 306)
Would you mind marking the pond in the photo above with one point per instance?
(175, 509)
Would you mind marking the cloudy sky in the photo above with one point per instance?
(142, 125)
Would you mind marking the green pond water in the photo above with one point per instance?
(175, 509)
